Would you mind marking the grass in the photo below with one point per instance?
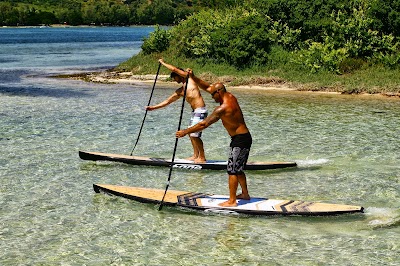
(369, 79)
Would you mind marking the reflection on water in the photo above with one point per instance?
(346, 147)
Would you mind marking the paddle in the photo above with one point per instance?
(145, 114)
(176, 144)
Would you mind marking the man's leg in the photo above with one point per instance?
(233, 185)
(243, 183)
(198, 150)
(195, 150)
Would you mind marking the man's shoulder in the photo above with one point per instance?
(179, 90)
(232, 99)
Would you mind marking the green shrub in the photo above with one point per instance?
(354, 32)
(321, 56)
(240, 37)
(192, 38)
(242, 42)
(350, 36)
(158, 41)
(349, 65)
(386, 15)
(284, 36)
(391, 61)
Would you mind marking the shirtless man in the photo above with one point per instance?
(232, 118)
(194, 98)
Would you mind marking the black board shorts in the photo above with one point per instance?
(238, 153)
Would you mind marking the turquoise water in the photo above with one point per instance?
(347, 148)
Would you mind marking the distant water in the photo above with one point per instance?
(61, 49)
(347, 149)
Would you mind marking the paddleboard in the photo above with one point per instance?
(209, 202)
(178, 163)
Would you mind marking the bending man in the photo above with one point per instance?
(232, 118)
(196, 101)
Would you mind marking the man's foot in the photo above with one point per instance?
(190, 158)
(242, 196)
(200, 160)
(228, 204)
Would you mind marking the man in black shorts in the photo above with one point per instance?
(232, 118)
(238, 153)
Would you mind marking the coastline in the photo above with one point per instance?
(117, 77)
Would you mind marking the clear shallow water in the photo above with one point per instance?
(346, 147)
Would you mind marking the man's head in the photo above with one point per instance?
(216, 88)
(176, 77)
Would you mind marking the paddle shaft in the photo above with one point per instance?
(145, 114)
(176, 144)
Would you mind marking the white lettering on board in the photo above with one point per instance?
(187, 166)
(221, 211)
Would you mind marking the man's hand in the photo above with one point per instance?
(161, 61)
(150, 108)
(180, 133)
(190, 72)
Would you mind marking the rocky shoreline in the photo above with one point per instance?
(271, 83)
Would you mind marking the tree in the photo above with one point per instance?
(386, 16)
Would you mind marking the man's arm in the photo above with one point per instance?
(201, 83)
(211, 119)
(178, 71)
(164, 103)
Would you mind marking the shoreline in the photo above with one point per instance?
(117, 77)
(72, 26)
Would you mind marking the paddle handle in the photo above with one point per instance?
(145, 114)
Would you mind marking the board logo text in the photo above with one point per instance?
(187, 166)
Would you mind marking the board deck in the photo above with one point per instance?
(209, 202)
(178, 163)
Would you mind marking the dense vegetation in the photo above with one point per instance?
(322, 37)
(101, 12)
(351, 45)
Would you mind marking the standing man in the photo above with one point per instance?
(232, 118)
(196, 101)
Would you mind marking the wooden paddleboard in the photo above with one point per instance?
(209, 202)
(178, 163)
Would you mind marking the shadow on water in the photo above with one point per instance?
(13, 76)
(11, 85)
(41, 92)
